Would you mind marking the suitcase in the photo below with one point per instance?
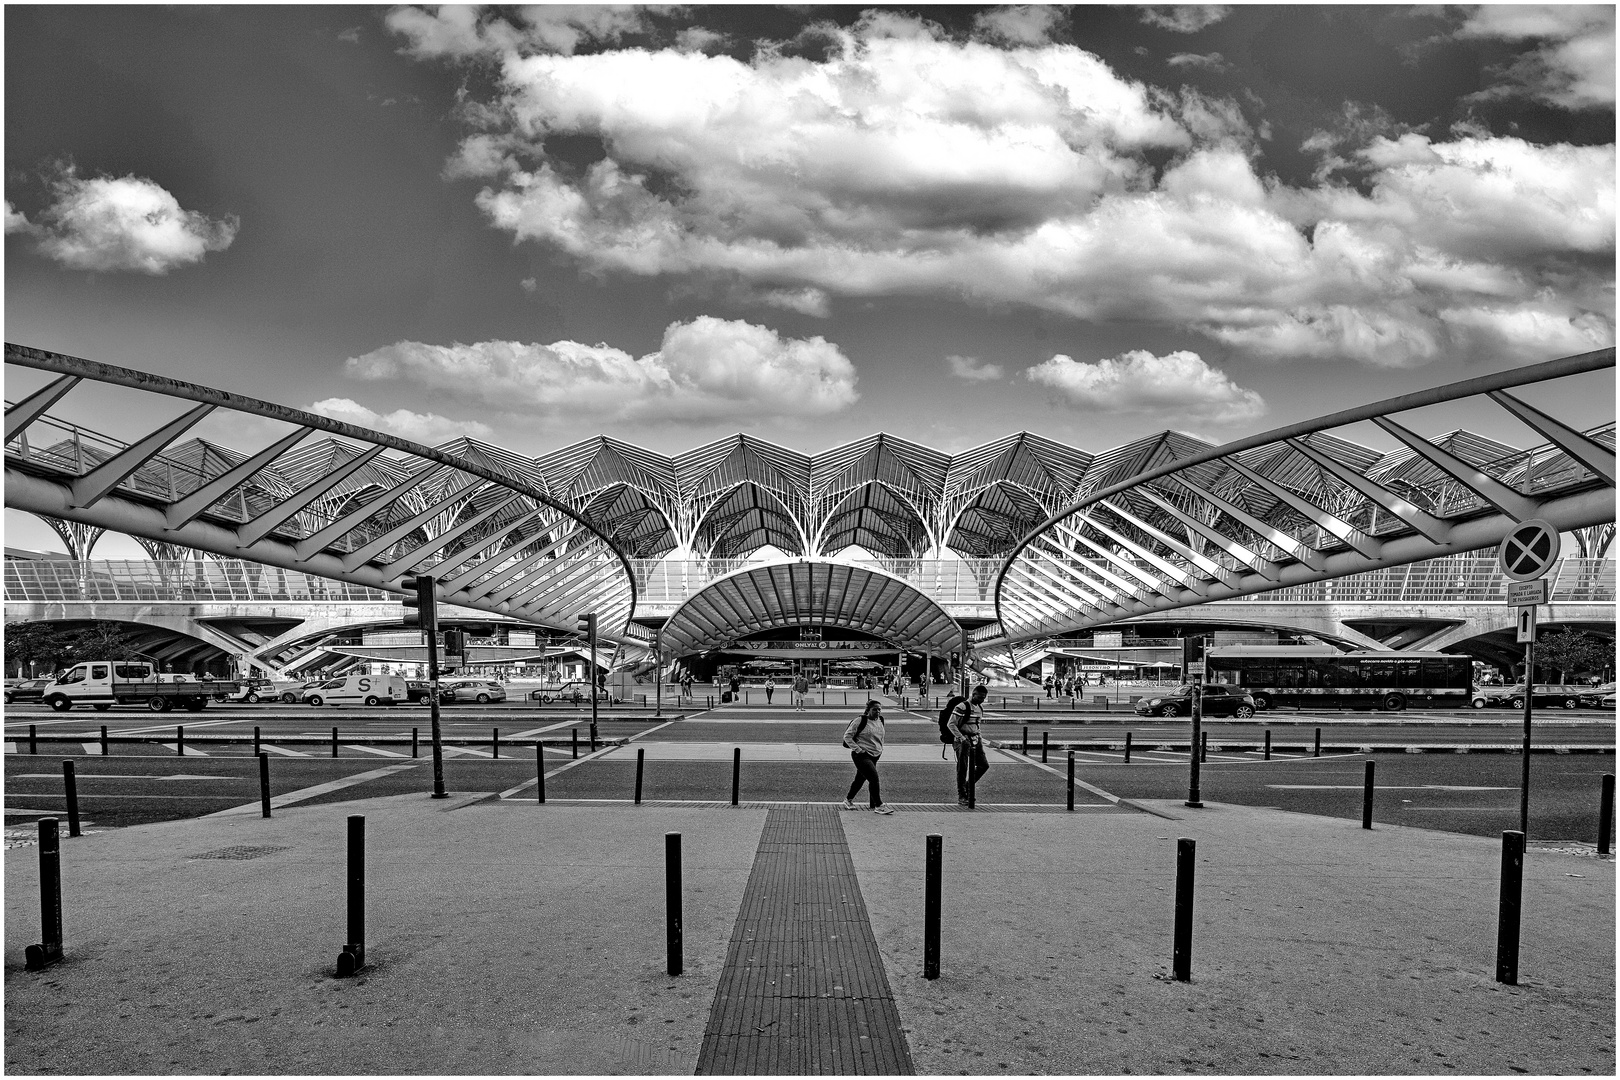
(725, 697)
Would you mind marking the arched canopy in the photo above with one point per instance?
(809, 591)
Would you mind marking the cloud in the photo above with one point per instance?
(1212, 61)
(1020, 24)
(967, 367)
(906, 163)
(705, 370)
(1178, 384)
(351, 35)
(459, 32)
(1184, 18)
(1574, 66)
(429, 428)
(123, 223)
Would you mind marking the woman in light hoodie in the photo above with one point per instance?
(864, 738)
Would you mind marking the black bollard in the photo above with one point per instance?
(1507, 912)
(48, 951)
(1071, 779)
(1043, 747)
(33, 743)
(1203, 746)
(933, 869)
(1605, 813)
(413, 741)
(180, 740)
(71, 786)
(1026, 740)
(540, 771)
(672, 901)
(641, 762)
(1317, 750)
(255, 739)
(1367, 798)
(1181, 958)
(574, 732)
(353, 957)
(495, 742)
(103, 740)
(334, 742)
(593, 738)
(736, 774)
(1268, 744)
(1127, 748)
(264, 783)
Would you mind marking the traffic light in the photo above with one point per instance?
(455, 642)
(587, 626)
(419, 603)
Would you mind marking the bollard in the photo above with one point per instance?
(540, 770)
(413, 741)
(353, 957)
(593, 738)
(1181, 958)
(1127, 748)
(672, 901)
(264, 783)
(575, 733)
(1043, 747)
(1026, 740)
(180, 740)
(33, 745)
(1507, 912)
(1203, 746)
(48, 951)
(1367, 798)
(1317, 750)
(933, 860)
(71, 785)
(495, 742)
(641, 761)
(255, 739)
(1071, 779)
(334, 742)
(103, 740)
(736, 774)
(1605, 813)
(1268, 744)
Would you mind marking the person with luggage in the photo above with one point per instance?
(864, 740)
(963, 725)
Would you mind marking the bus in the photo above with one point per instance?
(1318, 676)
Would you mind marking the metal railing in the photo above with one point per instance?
(1453, 579)
(187, 581)
(946, 581)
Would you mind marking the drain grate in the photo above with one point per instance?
(239, 852)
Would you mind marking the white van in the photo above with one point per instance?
(358, 689)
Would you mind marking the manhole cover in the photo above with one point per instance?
(238, 853)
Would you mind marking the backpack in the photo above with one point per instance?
(951, 703)
(849, 741)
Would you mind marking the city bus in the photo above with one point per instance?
(1319, 676)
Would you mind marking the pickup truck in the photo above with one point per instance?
(105, 683)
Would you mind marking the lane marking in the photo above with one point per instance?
(167, 727)
(303, 794)
(534, 782)
(465, 751)
(92, 748)
(114, 795)
(379, 751)
(11, 748)
(1386, 787)
(270, 748)
(189, 751)
(40, 723)
(122, 776)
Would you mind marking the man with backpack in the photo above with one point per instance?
(801, 689)
(959, 725)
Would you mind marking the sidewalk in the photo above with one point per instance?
(516, 938)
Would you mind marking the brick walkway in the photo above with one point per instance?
(803, 989)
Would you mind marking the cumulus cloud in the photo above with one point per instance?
(429, 428)
(705, 370)
(1177, 384)
(973, 370)
(1019, 24)
(1184, 18)
(904, 162)
(1572, 68)
(462, 31)
(120, 223)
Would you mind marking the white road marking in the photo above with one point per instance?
(1016, 756)
(190, 751)
(303, 794)
(120, 776)
(11, 748)
(466, 751)
(168, 727)
(1386, 787)
(379, 751)
(283, 751)
(92, 748)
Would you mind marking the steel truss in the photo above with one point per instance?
(1297, 505)
(356, 506)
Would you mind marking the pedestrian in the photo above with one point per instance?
(770, 688)
(970, 760)
(864, 738)
(736, 685)
(1047, 682)
(801, 690)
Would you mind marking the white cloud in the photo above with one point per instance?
(906, 163)
(1177, 384)
(1574, 66)
(123, 223)
(1019, 24)
(429, 428)
(1184, 18)
(1212, 61)
(351, 35)
(460, 31)
(706, 370)
(971, 369)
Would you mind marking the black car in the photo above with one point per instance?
(27, 690)
(1219, 700)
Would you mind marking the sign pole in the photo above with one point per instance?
(1524, 765)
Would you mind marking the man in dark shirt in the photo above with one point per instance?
(970, 761)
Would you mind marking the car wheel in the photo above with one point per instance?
(483, 699)
(546, 699)
(1516, 703)
(1168, 710)
(1478, 703)
(1261, 701)
(252, 698)
(1394, 702)
(60, 703)
(102, 706)
(158, 703)
(315, 699)
(1244, 712)
(371, 700)
(1570, 703)
(289, 698)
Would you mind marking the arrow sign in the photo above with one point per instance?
(1529, 550)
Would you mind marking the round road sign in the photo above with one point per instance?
(1529, 550)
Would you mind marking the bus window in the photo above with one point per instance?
(1435, 672)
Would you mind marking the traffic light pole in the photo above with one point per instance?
(593, 680)
(1524, 757)
(433, 713)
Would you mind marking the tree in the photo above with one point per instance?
(54, 646)
(1574, 652)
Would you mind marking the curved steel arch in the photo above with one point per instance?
(808, 591)
(1276, 509)
(523, 553)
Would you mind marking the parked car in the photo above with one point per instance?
(26, 690)
(1481, 696)
(250, 691)
(292, 693)
(1219, 700)
(1545, 694)
(576, 691)
(1599, 697)
(417, 690)
(358, 689)
(483, 691)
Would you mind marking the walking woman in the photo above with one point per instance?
(864, 738)
(770, 688)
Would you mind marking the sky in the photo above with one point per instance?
(671, 224)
